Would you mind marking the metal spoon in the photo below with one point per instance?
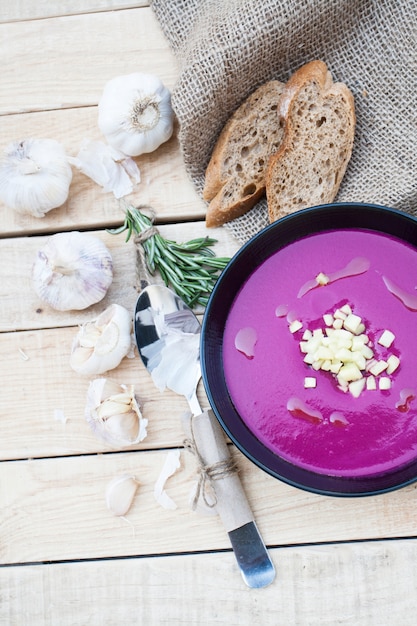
(168, 338)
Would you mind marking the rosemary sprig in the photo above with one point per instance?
(191, 269)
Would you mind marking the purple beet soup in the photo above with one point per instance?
(330, 431)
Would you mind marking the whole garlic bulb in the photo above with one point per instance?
(72, 271)
(100, 345)
(135, 113)
(113, 413)
(34, 176)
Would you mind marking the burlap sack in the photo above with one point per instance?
(227, 48)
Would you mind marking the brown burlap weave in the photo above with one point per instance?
(227, 48)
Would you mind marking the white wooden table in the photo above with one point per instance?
(64, 558)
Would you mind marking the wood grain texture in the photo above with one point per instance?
(164, 182)
(20, 307)
(63, 67)
(39, 391)
(64, 62)
(64, 558)
(23, 10)
(364, 584)
(53, 510)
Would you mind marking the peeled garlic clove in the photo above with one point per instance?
(109, 340)
(109, 336)
(72, 271)
(135, 113)
(112, 407)
(113, 413)
(79, 357)
(89, 336)
(34, 176)
(120, 493)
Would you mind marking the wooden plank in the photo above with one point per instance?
(164, 184)
(54, 510)
(21, 10)
(39, 391)
(356, 585)
(64, 62)
(21, 309)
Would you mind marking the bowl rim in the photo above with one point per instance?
(320, 218)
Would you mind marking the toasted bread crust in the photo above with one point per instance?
(218, 214)
(309, 166)
(235, 176)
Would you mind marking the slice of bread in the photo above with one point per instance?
(235, 176)
(319, 128)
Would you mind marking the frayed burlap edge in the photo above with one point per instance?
(227, 49)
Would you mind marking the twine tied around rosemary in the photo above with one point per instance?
(191, 268)
(207, 474)
(143, 276)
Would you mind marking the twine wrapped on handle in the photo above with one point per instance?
(219, 486)
(207, 473)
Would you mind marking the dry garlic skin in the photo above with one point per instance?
(35, 176)
(72, 271)
(106, 166)
(113, 413)
(135, 113)
(100, 345)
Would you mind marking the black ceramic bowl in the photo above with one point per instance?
(274, 237)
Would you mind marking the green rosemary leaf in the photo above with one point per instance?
(172, 256)
(119, 230)
(186, 261)
(195, 244)
(172, 270)
(217, 262)
(202, 274)
(164, 276)
(190, 268)
(182, 291)
(129, 231)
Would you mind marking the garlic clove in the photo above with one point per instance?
(72, 271)
(107, 387)
(35, 176)
(120, 493)
(123, 427)
(113, 413)
(109, 341)
(80, 357)
(122, 398)
(135, 113)
(90, 335)
(112, 407)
